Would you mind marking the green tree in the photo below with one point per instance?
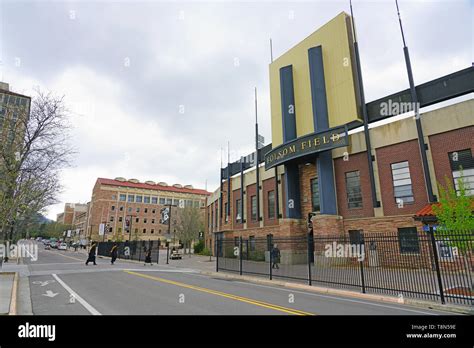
(455, 214)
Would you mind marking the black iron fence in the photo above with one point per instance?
(136, 250)
(426, 266)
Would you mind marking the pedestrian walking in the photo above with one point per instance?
(91, 257)
(148, 257)
(113, 253)
(275, 257)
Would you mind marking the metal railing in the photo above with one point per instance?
(432, 266)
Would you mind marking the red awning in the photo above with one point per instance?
(426, 211)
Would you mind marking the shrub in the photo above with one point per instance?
(199, 247)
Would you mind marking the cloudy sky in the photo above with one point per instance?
(154, 86)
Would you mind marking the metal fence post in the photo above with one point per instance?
(270, 247)
(362, 279)
(216, 242)
(168, 254)
(158, 254)
(240, 255)
(309, 258)
(436, 260)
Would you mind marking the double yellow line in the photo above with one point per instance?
(223, 294)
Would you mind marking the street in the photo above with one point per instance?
(60, 283)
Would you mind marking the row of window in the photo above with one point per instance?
(461, 162)
(408, 240)
(137, 220)
(130, 209)
(119, 230)
(162, 201)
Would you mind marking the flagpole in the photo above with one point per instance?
(277, 181)
(419, 128)
(257, 160)
(375, 202)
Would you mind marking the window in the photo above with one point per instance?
(129, 209)
(253, 200)
(144, 230)
(131, 198)
(119, 230)
(462, 162)
(138, 210)
(111, 219)
(123, 197)
(121, 208)
(402, 188)
(271, 204)
(111, 229)
(225, 211)
(153, 211)
(408, 240)
(152, 221)
(356, 237)
(162, 201)
(137, 219)
(146, 199)
(353, 190)
(152, 230)
(252, 243)
(176, 201)
(169, 201)
(146, 210)
(112, 208)
(238, 211)
(196, 204)
(120, 219)
(136, 230)
(154, 200)
(138, 199)
(144, 220)
(315, 194)
(189, 203)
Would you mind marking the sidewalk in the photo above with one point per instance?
(7, 293)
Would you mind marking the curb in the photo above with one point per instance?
(345, 293)
(14, 294)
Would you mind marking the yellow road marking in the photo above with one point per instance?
(58, 253)
(223, 294)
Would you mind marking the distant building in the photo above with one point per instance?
(115, 201)
(71, 213)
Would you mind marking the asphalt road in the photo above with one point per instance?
(61, 283)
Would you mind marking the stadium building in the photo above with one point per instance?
(351, 167)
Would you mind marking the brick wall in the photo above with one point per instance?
(355, 162)
(267, 186)
(235, 196)
(251, 190)
(306, 173)
(444, 143)
(406, 151)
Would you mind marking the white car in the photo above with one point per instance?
(62, 246)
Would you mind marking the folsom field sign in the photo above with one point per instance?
(306, 145)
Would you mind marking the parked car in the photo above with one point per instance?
(47, 247)
(62, 246)
(175, 254)
(53, 245)
(46, 241)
